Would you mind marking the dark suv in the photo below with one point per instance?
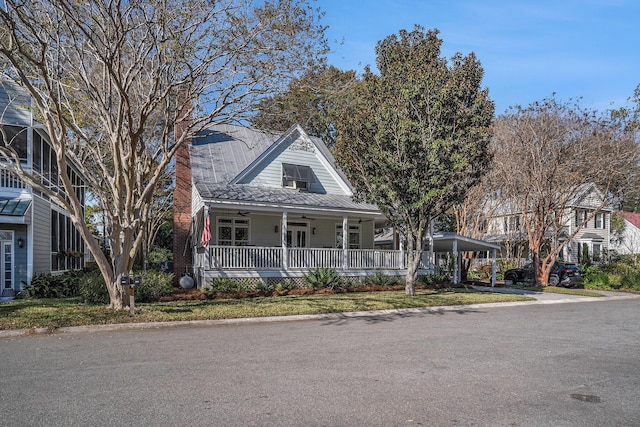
(562, 274)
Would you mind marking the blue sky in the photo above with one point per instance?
(587, 49)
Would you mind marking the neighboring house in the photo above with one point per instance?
(36, 236)
(627, 241)
(506, 227)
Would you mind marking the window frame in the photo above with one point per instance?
(235, 224)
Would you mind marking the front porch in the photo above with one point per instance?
(273, 264)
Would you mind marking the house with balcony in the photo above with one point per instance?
(585, 228)
(274, 206)
(36, 235)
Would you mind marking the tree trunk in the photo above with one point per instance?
(412, 272)
(117, 294)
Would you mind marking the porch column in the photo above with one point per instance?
(283, 241)
(345, 242)
(455, 264)
(401, 248)
(493, 268)
(430, 266)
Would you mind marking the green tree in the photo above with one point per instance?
(414, 137)
(313, 100)
(111, 81)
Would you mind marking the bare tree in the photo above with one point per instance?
(551, 154)
(110, 80)
(471, 215)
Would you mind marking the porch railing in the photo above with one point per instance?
(254, 257)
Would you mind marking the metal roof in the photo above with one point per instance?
(223, 152)
(14, 207)
(263, 196)
(443, 242)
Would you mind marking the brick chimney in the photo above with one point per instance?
(182, 255)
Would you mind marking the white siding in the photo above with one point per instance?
(629, 242)
(297, 152)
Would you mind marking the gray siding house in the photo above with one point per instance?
(36, 236)
(272, 206)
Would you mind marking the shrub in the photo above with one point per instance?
(380, 279)
(159, 255)
(322, 278)
(92, 288)
(630, 280)
(222, 284)
(433, 279)
(593, 276)
(261, 286)
(154, 285)
(286, 285)
(53, 286)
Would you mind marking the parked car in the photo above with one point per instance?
(562, 274)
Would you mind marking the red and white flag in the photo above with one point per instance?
(206, 231)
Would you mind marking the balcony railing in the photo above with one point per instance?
(9, 180)
(265, 258)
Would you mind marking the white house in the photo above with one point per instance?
(627, 242)
(580, 226)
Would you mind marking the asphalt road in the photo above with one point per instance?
(573, 364)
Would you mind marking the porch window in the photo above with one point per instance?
(232, 232)
(67, 247)
(296, 176)
(353, 231)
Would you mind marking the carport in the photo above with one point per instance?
(449, 242)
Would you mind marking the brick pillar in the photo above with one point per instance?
(182, 255)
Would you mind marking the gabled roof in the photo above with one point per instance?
(632, 217)
(224, 154)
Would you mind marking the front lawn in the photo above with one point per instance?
(56, 313)
(559, 290)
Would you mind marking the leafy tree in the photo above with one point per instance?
(552, 155)
(112, 80)
(414, 138)
(312, 100)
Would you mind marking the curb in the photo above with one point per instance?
(295, 318)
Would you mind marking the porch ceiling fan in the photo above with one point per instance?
(306, 217)
(360, 221)
(243, 213)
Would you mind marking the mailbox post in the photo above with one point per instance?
(131, 281)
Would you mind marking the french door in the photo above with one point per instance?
(297, 235)
(6, 257)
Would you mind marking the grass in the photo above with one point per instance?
(559, 290)
(56, 313)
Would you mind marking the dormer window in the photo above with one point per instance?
(296, 176)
